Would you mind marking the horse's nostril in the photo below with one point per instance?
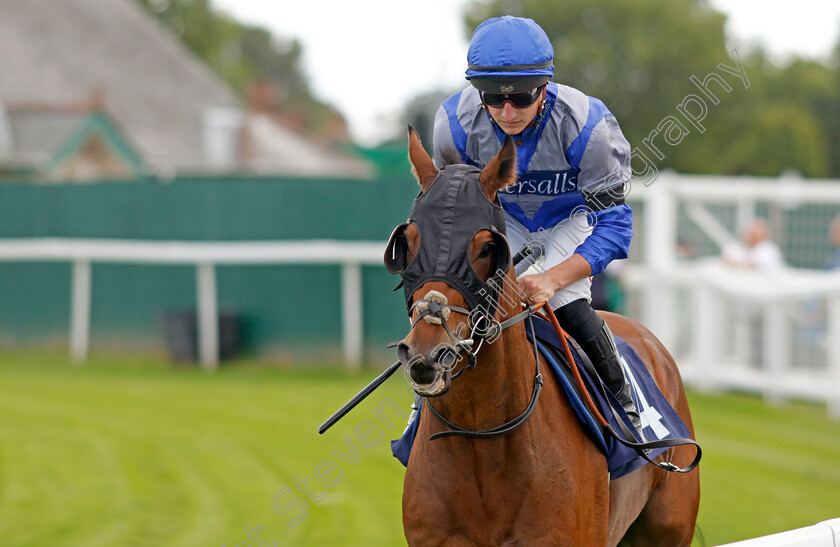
(445, 357)
(404, 353)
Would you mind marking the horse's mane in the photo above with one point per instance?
(450, 156)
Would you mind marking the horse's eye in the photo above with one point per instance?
(486, 250)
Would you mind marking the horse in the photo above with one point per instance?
(542, 482)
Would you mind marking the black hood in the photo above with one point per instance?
(448, 215)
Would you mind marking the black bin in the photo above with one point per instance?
(180, 335)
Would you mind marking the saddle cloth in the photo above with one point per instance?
(658, 417)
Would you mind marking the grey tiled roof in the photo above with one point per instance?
(38, 134)
(154, 88)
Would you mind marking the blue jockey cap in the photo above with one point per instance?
(509, 54)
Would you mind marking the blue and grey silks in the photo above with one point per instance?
(573, 156)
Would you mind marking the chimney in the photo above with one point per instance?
(221, 137)
(5, 134)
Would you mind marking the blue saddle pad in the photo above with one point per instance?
(659, 419)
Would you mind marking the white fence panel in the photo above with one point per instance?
(824, 534)
(775, 332)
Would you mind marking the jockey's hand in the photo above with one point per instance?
(536, 288)
(542, 286)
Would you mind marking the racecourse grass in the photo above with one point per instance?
(134, 452)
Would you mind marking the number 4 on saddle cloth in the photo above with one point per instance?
(658, 417)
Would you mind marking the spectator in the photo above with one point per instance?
(761, 253)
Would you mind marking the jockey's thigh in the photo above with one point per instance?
(558, 243)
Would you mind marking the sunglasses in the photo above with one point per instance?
(518, 100)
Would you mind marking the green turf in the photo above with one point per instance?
(130, 452)
(765, 468)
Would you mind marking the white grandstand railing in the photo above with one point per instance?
(718, 301)
(81, 253)
(824, 534)
(711, 295)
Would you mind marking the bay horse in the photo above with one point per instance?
(546, 482)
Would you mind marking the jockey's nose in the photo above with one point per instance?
(508, 112)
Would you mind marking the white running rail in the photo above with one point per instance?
(824, 534)
(204, 255)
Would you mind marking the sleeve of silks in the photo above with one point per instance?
(610, 237)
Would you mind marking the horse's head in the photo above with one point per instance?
(452, 255)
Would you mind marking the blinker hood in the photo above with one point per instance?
(448, 215)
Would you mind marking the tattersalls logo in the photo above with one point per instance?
(545, 183)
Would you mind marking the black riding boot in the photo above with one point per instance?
(604, 355)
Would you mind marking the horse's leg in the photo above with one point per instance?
(669, 515)
(628, 496)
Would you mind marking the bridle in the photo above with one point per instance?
(440, 312)
(448, 215)
(437, 310)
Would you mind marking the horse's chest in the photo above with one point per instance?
(501, 507)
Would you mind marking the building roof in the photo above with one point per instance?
(162, 98)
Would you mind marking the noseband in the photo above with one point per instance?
(438, 312)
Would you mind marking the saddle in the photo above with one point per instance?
(659, 419)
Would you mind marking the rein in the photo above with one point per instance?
(640, 448)
(437, 310)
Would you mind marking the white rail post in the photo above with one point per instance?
(660, 244)
(706, 335)
(80, 311)
(351, 314)
(776, 351)
(833, 353)
(208, 316)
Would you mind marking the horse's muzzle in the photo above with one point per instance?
(430, 375)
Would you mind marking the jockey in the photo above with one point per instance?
(573, 165)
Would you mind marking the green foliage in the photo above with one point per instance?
(131, 451)
(638, 55)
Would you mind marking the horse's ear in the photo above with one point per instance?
(500, 172)
(422, 166)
